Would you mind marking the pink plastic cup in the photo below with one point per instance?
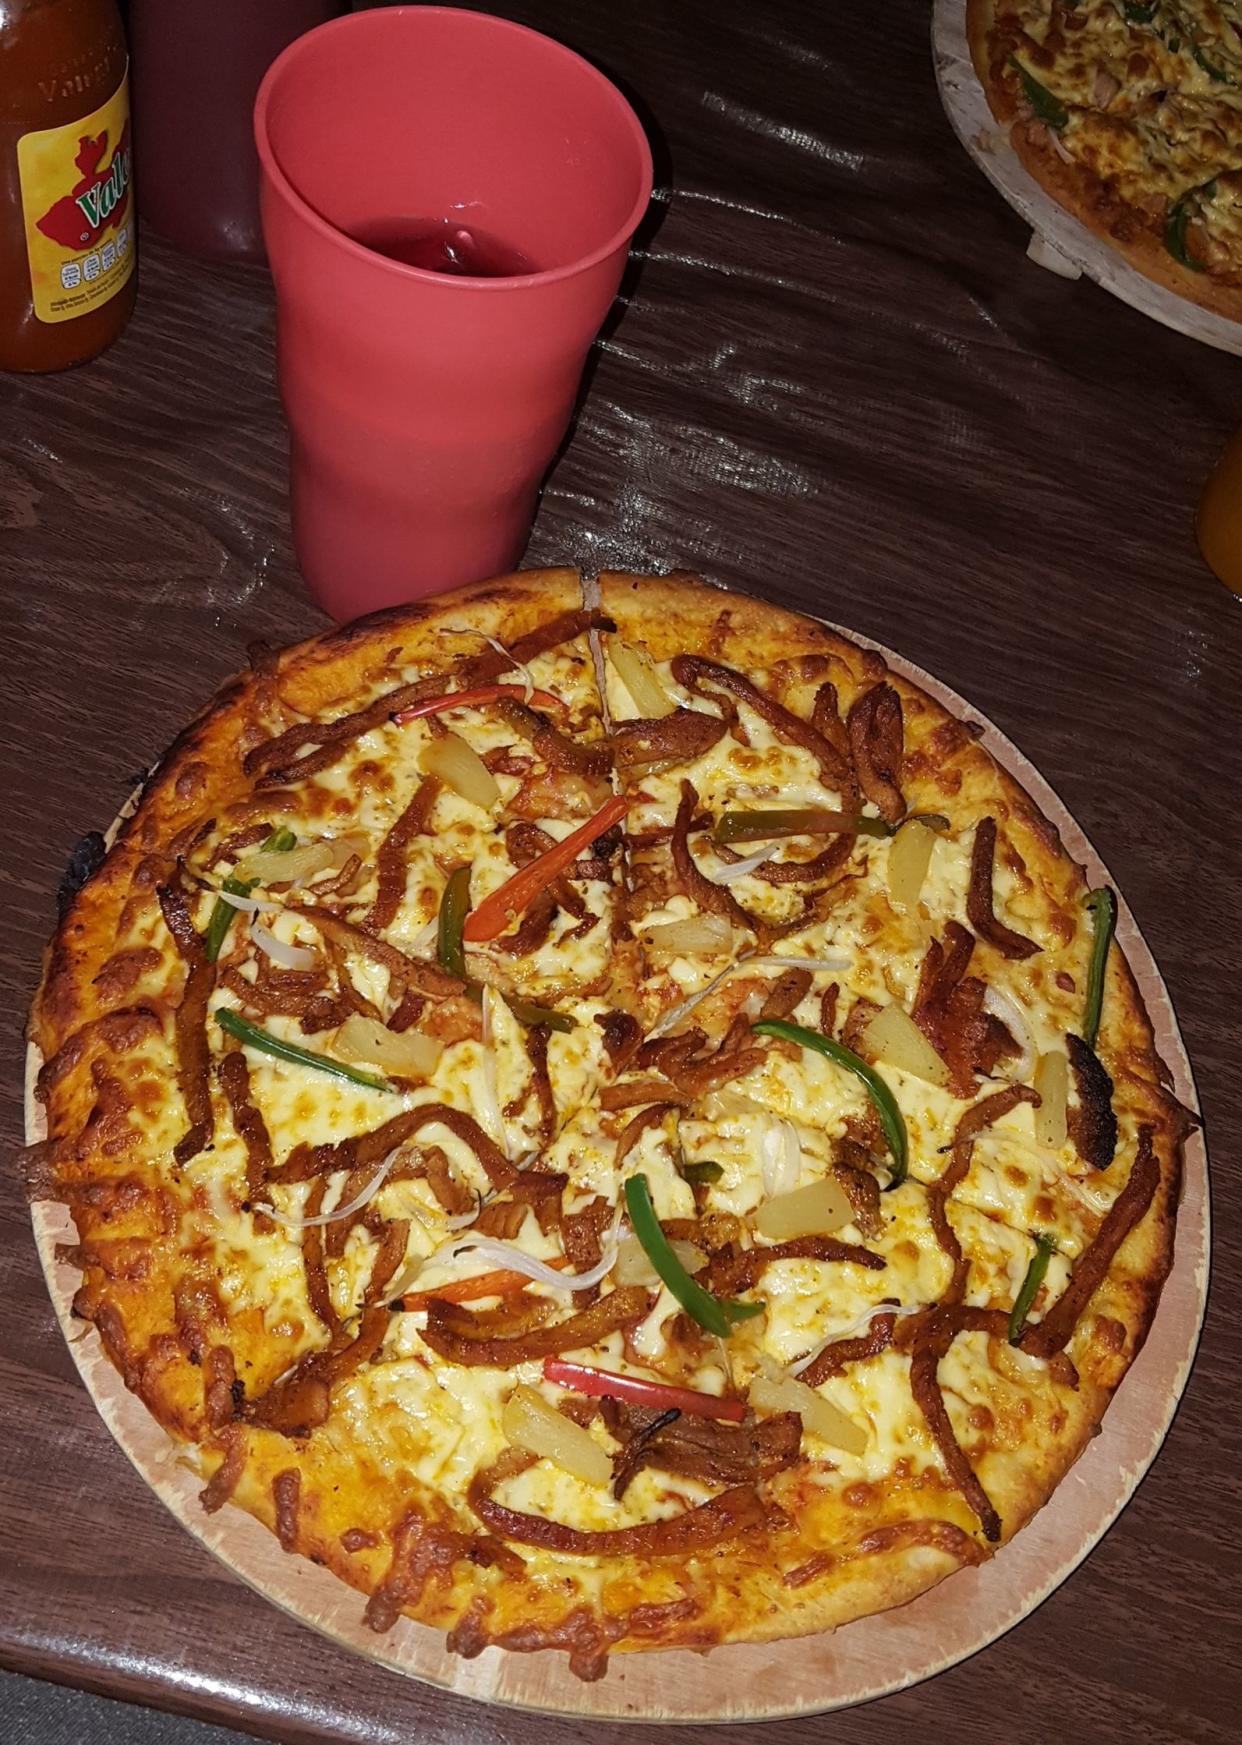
(424, 408)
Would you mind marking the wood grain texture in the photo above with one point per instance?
(840, 384)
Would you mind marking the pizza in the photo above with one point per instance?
(600, 1114)
(1130, 113)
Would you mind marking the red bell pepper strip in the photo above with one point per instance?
(467, 700)
(516, 894)
(579, 1378)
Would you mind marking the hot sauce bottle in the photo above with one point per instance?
(67, 230)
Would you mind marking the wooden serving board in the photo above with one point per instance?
(867, 1659)
(1059, 240)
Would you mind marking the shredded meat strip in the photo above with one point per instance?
(695, 883)
(622, 1035)
(294, 994)
(1051, 1335)
(391, 859)
(314, 1262)
(636, 1127)
(406, 972)
(1093, 1124)
(251, 1129)
(667, 740)
(541, 1080)
(277, 760)
(735, 1513)
(786, 993)
(979, 911)
(700, 1448)
(826, 720)
(876, 729)
(948, 1009)
(798, 872)
(300, 1403)
(935, 1332)
(581, 1232)
(462, 1336)
(971, 1123)
(190, 1026)
(305, 1161)
(834, 1359)
(696, 673)
(433, 1165)
(549, 743)
(740, 1272)
(638, 1091)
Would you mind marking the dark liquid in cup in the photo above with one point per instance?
(443, 245)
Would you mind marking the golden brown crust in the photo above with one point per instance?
(1080, 192)
(822, 1560)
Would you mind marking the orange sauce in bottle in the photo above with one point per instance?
(67, 228)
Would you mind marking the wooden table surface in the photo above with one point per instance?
(840, 384)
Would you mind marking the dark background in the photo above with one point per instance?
(840, 384)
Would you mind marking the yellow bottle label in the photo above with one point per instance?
(79, 214)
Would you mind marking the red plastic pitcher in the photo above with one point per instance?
(425, 405)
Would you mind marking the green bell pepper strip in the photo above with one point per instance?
(536, 1017)
(1045, 1248)
(885, 1102)
(714, 1314)
(266, 1043)
(454, 907)
(701, 1174)
(1048, 109)
(1103, 907)
(760, 826)
(451, 955)
(221, 918)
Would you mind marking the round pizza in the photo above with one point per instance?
(601, 1114)
(1130, 114)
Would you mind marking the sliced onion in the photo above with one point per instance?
(909, 856)
(247, 905)
(460, 1220)
(818, 1209)
(287, 956)
(529, 1422)
(828, 964)
(498, 645)
(854, 1329)
(1052, 1083)
(405, 1054)
(355, 1205)
(781, 1152)
(634, 1264)
(1013, 1018)
(685, 1007)
(491, 1089)
(424, 937)
(819, 1415)
(740, 868)
(894, 1037)
(507, 1255)
(697, 936)
(460, 768)
(637, 673)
